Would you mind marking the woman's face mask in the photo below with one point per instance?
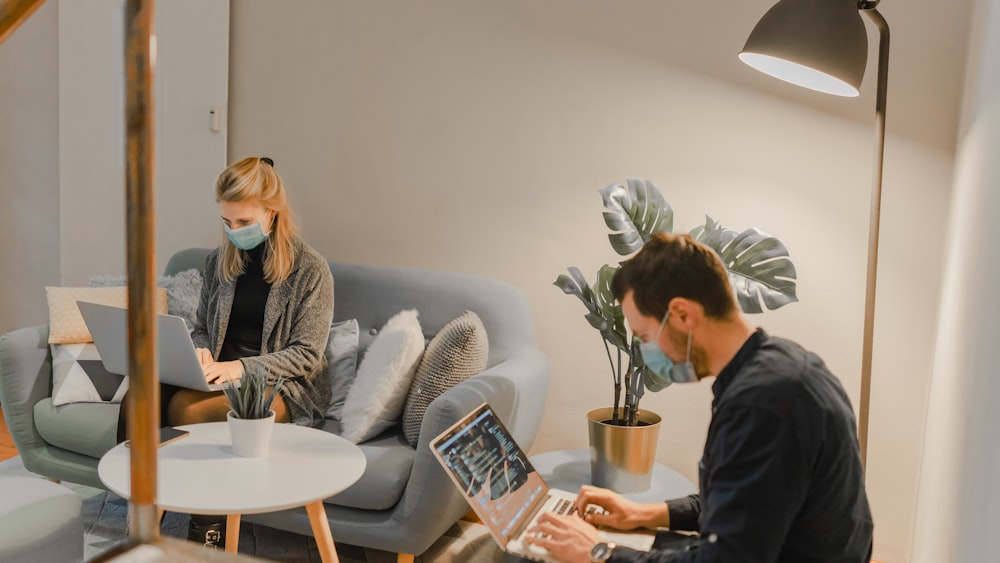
(244, 223)
(246, 238)
(662, 370)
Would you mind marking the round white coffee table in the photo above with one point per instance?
(569, 469)
(199, 474)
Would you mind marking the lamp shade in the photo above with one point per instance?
(818, 44)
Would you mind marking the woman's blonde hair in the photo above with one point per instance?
(254, 179)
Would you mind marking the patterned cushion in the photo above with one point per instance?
(66, 325)
(458, 351)
(78, 376)
(376, 398)
(342, 355)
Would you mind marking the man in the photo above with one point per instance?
(780, 478)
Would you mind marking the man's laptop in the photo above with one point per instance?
(503, 488)
(178, 361)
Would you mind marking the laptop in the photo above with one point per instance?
(504, 489)
(178, 361)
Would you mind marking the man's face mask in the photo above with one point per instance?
(662, 371)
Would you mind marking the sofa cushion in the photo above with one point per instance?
(78, 376)
(389, 462)
(375, 401)
(457, 352)
(342, 357)
(66, 324)
(85, 428)
(183, 292)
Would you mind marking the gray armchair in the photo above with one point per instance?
(404, 501)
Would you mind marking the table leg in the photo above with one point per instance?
(232, 533)
(321, 531)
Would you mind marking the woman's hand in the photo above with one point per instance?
(568, 538)
(622, 514)
(220, 372)
(204, 356)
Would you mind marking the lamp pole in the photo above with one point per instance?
(868, 7)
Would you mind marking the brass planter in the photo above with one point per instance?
(622, 457)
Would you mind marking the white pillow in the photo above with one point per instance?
(342, 356)
(375, 401)
(78, 376)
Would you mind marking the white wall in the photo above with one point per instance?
(452, 135)
(29, 169)
(959, 486)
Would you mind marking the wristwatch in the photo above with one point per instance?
(602, 551)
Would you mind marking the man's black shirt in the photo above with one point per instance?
(781, 477)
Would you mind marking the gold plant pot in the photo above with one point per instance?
(622, 457)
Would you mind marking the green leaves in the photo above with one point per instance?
(635, 213)
(759, 267)
(250, 397)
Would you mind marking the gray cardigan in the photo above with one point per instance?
(297, 319)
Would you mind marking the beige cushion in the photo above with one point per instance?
(66, 325)
(457, 352)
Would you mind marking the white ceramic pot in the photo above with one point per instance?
(622, 457)
(251, 438)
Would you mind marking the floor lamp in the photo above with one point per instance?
(823, 45)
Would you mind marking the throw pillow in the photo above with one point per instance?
(342, 355)
(78, 376)
(457, 352)
(66, 325)
(183, 292)
(376, 399)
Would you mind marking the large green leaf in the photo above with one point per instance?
(609, 308)
(634, 214)
(760, 269)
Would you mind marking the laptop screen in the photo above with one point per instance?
(492, 470)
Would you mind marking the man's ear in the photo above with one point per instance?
(686, 311)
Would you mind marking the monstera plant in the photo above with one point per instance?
(760, 271)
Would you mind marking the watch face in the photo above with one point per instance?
(601, 551)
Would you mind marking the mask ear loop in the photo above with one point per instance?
(690, 335)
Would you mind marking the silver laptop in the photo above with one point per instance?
(503, 488)
(178, 361)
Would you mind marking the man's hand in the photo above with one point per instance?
(220, 372)
(622, 514)
(569, 538)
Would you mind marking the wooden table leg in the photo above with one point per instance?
(232, 533)
(321, 531)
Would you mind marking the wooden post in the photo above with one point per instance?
(13, 13)
(144, 390)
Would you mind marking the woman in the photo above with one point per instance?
(266, 304)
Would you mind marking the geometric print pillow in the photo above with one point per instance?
(78, 376)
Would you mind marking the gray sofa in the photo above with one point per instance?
(404, 501)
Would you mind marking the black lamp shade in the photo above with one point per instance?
(818, 44)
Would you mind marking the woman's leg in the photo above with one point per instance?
(167, 392)
(188, 406)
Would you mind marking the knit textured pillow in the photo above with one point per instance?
(456, 353)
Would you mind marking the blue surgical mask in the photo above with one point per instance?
(661, 370)
(246, 238)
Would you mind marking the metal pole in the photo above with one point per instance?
(144, 391)
(13, 13)
(876, 210)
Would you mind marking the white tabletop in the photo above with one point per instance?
(569, 469)
(199, 474)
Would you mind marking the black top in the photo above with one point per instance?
(245, 331)
(780, 479)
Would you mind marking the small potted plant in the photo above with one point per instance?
(250, 416)
(762, 276)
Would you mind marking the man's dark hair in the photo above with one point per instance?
(671, 266)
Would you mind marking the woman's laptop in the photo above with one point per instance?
(178, 361)
(497, 479)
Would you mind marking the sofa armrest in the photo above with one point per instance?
(516, 389)
(25, 379)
